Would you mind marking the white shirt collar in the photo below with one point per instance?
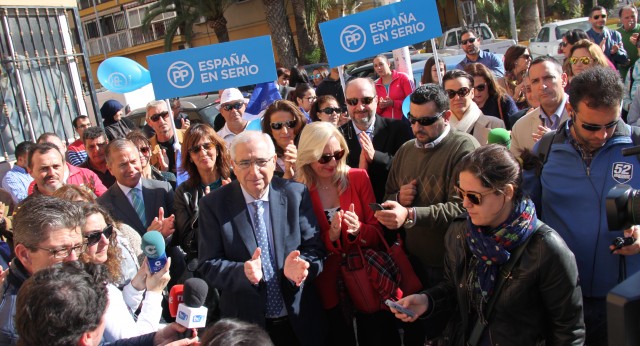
(436, 141)
(249, 199)
(126, 189)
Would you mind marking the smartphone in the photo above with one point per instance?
(392, 304)
(376, 206)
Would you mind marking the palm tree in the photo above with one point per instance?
(529, 19)
(307, 39)
(188, 13)
(280, 32)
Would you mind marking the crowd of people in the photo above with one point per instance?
(493, 184)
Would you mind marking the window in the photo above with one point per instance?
(543, 36)
(110, 24)
(136, 16)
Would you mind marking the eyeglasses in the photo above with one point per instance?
(156, 117)
(310, 98)
(598, 16)
(462, 92)
(288, 124)
(585, 60)
(473, 197)
(204, 146)
(424, 121)
(596, 128)
(481, 87)
(331, 110)
(364, 100)
(144, 150)
(469, 40)
(326, 158)
(247, 163)
(65, 252)
(526, 56)
(315, 76)
(94, 236)
(231, 106)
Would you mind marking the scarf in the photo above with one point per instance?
(492, 247)
(468, 120)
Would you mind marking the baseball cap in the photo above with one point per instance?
(231, 94)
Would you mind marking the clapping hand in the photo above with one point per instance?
(296, 269)
(253, 267)
(350, 218)
(367, 146)
(290, 156)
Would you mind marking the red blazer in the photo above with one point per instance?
(360, 193)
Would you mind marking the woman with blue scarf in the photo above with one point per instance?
(540, 301)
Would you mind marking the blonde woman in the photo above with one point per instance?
(340, 196)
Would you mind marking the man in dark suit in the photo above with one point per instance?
(372, 139)
(138, 202)
(259, 245)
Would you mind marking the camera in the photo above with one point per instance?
(623, 207)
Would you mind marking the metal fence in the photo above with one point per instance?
(40, 86)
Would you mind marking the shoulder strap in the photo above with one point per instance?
(505, 273)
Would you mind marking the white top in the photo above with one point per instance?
(119, 322)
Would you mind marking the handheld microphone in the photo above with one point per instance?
(499, 136)
(192, 313)
(153, 247)
(176, 297)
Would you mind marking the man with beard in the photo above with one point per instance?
(610, 41)
(372, 139)
(470, 44)
(422, 180)
(162, 143)
(547, 86)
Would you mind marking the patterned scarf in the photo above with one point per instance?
(493, 247)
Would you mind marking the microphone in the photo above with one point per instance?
(153, 247)
(176, 297)
(499, 136)
(192, 313)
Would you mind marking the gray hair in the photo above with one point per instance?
(39, 215)
(117, 145)
(250, 136)
(155, 103)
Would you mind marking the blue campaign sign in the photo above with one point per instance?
(212, 68)
(379, 30)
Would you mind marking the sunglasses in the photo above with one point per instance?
(94, 237)
(598, 16)
(585, 60)
(144, 150)
(481, 87)
(562, 44)
(331, 110)
(364, 100)
(596, 128)
(204, 146)
(462, 92)
(235, 106)
(288, 124)
(526, 56)
(326, 158)
(469, 40)
(157, 117)
(315, 76)
(424, 121)
(474, 197)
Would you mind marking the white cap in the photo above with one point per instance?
(231, 94)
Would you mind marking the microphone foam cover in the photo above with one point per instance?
(195, 292)
(153, 244)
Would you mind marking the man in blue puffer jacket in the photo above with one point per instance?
(583, 162)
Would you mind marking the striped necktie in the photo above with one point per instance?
(138, 205)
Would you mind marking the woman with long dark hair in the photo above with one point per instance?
(490, 97)
(283, 122)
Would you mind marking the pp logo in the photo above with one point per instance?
(180, 74)
(118, 80)
(353, 38)
(182, 316)
(622, 172)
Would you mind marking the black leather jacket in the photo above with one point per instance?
(541, 304)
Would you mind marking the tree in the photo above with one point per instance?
(529, 19)
(307, 39)
(280, 32)
(188, 13)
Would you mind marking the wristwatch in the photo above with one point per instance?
(411, 215)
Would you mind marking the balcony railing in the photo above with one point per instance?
(128, 38)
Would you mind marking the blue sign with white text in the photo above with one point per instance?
(212, 68)
(379, 30)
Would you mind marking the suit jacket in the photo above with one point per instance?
(521, 131)
(226, 240)
(155, 194)
(388, 136)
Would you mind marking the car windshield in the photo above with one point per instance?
(561, 29)
(209, 114)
